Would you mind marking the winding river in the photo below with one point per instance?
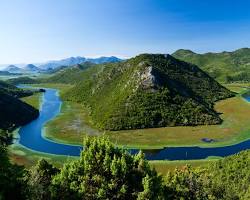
(31, 137)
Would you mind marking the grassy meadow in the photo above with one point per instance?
(33, 100)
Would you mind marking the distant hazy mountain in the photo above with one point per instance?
(51, 65)
(64, 62)
(13, 69)
(31, 68)
(101, 60)
(77, 60)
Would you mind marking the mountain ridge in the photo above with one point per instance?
(149, 90)
(226, 66)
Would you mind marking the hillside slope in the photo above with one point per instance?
(64, 75)
(69, 75)
(150, 90)
(14, 112)
(225, 67)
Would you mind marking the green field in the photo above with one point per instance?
(70, 126)
(33, 100)
(164, 167)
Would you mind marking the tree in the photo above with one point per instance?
(39, 180)
(187, 184)
(12, 185)
(5, 137)
(107, 172)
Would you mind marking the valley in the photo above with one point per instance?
(74, 123)
(64, 123)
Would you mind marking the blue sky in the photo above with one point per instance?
(40, 30)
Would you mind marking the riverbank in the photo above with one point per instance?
(160, 164)
(28, 158)
(234, 129)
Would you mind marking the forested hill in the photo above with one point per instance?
(69, 75)
(13, 90)
(225, 67)
(65, 75)
(150, 90)
(14, 112)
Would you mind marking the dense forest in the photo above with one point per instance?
(225, 66)
(13, 111)
(106, 172)
(150, 90)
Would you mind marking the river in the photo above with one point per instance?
(32, 137)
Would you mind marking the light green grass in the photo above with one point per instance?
(58, 86)
(70, 126)
(163, 167)
(23, 156)
(33, 100)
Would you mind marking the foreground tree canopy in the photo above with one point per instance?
(106, 172)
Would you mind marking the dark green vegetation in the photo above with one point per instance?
(225, 66)
(70, 75)
(14, 112)
(149, 91)
(22, 80)
(5, 137)
(12, 185)
(228, 179)
(106, 172)
(13, 90)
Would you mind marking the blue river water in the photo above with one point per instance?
(31, 136)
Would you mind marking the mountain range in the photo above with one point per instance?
(225, 66)
(51, 65)
(78, 60)
(150, 90)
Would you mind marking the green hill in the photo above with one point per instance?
(69, 75)
(225, 67)
(22, 80)
(13, 90)
(149, 91)
(14, 112)
(65, 75)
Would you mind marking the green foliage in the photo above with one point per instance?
(188, 184)
(148, 91)
(226, 66)
(68, 75)
(12, 185)
(22, 80)
(106, 172)
(232, 176)
(5, 137)
(14, 112)
(39, 179)
(13, 90)
(227, 179)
